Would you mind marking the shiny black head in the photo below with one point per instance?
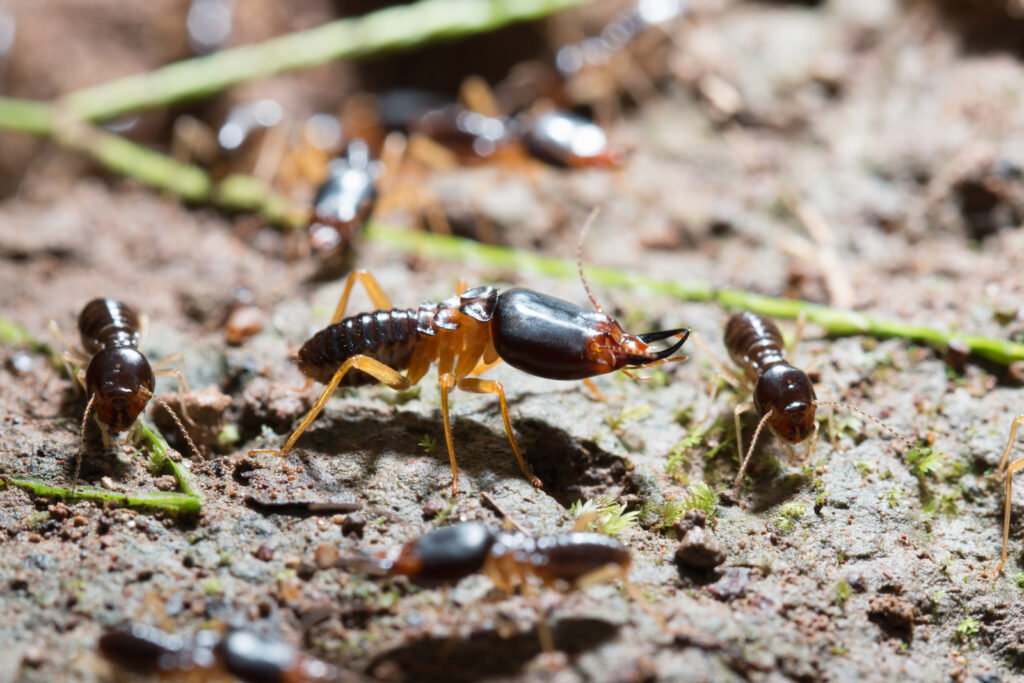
(552, 338)
(445, 555)
(251, 657)
(789, 393)
(121, 380)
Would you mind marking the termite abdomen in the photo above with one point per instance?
(386, 336)
(571, 557)
(108, 322)
(754, 343)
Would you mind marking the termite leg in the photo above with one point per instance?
(178, 373)
(598, 394)
(382, 373)
(143, 332)
(812, 442)
(78, 455)
(447, 382)
(1017, 421)
(380, 300)
(70, 357)
(801, 320)
(738, 410)
(724, 372)
(1014, 466)
(490, 386)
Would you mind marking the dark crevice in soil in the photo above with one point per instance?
(487, 653)
(572, 470)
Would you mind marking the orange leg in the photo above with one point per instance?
(490, 386)
(375, 368)
(380, 300)
(447, 382)
(1014, 466)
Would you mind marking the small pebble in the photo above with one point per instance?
(326, 554)
(33, 656)
(244, 322)
(21, 363)
(354, 524)
(166, 483)
(59, 512)
(432, 508)
(265, 553)
(700, 549)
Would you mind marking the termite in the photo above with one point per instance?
(344, 201)
(511, 560)
(783, 395)
(210, 656)
(561, 138)
(1007, 472)
(466, 335)
(117, 377)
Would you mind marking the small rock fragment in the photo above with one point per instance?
(325, 555)
(166, 483)
(699, 548)
(732, 585)
(21, 363)
(956, 354)
(33, 656)
(242, 323)
(432, 508)
(265, 553)
(353, 524)
(893, 614)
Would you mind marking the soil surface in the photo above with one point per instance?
(867, 154)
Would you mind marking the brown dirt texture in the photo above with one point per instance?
(864, 153)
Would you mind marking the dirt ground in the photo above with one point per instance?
(863, 153)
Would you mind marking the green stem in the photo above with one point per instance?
(176, 503)
(836, 322)
(160, 459)
(186, 501)
(26, 116)
(396, 28)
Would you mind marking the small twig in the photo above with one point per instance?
(493, 504)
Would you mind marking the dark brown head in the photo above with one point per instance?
(445, 555)
(552, 338)
(121, 380)
(789, 394)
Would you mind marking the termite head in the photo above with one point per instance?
(787, 392)
(444, 555)
(552, 338)
(121, 381)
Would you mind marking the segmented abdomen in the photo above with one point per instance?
(754, 342)
(108, 322)
(569, 557)
(385, 336)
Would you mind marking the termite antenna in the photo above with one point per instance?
(174, 416)
(78, 456)
(579, 255)
(871, 417)
(753, 442)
